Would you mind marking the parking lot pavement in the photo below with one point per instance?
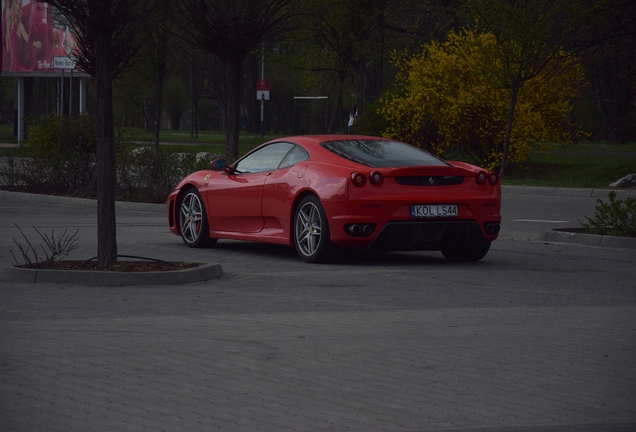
(538, 337)
(363, 370)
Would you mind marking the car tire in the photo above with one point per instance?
(474, 250)
(311, 232)
(193, 220)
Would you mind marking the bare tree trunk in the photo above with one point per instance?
(514, 92)
(336, 107)
(234, 68)
(370, 69)
(106, 226)
(253, 104)
(162, 70)
(149, 107)
(158, 92)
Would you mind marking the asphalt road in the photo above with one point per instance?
(538, 336)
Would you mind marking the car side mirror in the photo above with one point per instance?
(221, 165)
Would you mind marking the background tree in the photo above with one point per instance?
(176, 100)
(329, 27)
(143, 84)
(109, 35)
(340, 44)
(446, 104)
(230, 29)
(530, 39)
(607, 48)
(159, 54)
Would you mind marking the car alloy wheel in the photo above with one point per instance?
(311, 232)
(193, 222)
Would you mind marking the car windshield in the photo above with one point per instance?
(382, 153)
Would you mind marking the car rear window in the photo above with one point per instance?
(382, 153)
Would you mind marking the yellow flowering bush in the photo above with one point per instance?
(447, 101)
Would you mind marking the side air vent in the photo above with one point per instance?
(429, 180)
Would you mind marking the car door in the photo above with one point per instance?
(282, 184)
(235, 200)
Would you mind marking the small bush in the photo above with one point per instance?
(370, 122)
(62, 150)
(56, 247)
(145, 176)
(60, 157)
(616, 217)
(9, 170)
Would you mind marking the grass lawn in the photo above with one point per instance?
(585, 168)
(588, 165)
(203, 141)
(592, 165)
(6, 134)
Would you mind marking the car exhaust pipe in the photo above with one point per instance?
(492, 227)
(354, 229)
(359, 230)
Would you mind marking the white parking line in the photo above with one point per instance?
(542, 221)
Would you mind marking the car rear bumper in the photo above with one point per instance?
(394, 229)
(419, 236)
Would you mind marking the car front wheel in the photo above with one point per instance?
(193, 221)
(311, 232)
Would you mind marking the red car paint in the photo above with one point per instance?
(261, 206)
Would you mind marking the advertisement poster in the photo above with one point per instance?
(33, 35)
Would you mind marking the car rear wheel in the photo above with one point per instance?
(474, 250)
(311, 232)
(193, 221)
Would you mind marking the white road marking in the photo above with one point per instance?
(542, 221)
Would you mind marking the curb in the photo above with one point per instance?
(81, 202)
(203, 272)
(577, 235)
(569, 192)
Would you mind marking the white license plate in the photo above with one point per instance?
(433, 211)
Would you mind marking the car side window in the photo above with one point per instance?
(267, 158)
(295, 155)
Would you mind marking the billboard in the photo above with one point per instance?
(34, 34)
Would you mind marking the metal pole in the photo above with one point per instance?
(194, 115)
(62, 95)
(70, 94)
(82, 95)
(20, 111)
(262, 95)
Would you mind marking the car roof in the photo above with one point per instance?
(317, 139)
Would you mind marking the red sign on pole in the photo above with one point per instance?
(262, 89)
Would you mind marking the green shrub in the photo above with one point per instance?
(616, 217)
(145, 176)
(370, 122)
(60, 157)
(61, 152)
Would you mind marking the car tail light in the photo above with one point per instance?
(376, 178)
(481, 177)
(358, 179)
(493, 178)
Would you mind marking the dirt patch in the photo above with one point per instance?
(121, 266)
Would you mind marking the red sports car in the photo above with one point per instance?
(326, 194)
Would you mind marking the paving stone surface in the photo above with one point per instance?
(537, 337)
